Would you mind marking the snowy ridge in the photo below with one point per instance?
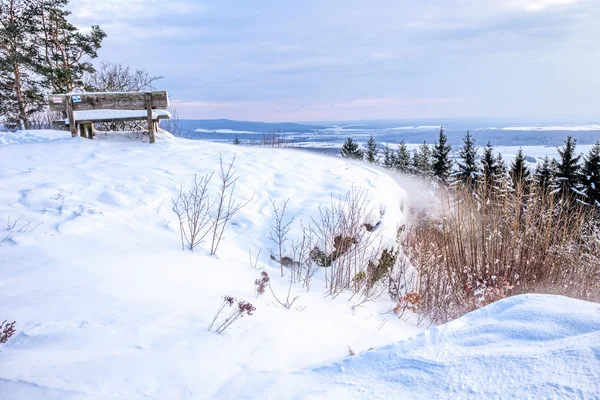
(528, 346)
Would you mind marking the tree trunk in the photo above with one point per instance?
(19, 94)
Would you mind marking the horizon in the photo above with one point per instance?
(344, 61)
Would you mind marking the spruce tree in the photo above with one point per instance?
(20, 92)
(468, 170)
(66, 50)
(351, 149)
(591, 175)
(545, 173)
(403, 158)
(569, 171)
(489, 167)
(501, 168)
(442, 164)
(422, 160)
(389, 158)
(519, 171)
(371, 153)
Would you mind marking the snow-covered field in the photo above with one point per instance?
(108, 306)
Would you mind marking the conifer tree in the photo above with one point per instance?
(422, 160)
(20, 92)
(351, 149)
(489, 166)
(468, 170)
(501, 168)
(545, 173)
(591, 175)
(568, 174)
(389, 158)
(66, 51)
(519, 171)
(371, 153)
(442, 164)
(403, 158)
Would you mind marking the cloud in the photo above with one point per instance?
(511, 57)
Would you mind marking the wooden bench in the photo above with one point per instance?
(83, 110)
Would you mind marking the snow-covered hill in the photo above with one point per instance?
(108, 306)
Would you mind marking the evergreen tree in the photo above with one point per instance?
(351, 149)
(389, 158)
(371, 153)
(66, 50)
(20, 92)
(236, 140)
(468, 170)
(545, 173)
(591, 175)
(569, 171)
(442, 164)
(489, 166)
(403, 158)
(501, 168)
(519, 171)
(422, 160)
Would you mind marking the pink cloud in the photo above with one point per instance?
(372, 108)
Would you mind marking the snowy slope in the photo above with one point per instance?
(528, 346)
(108, 305)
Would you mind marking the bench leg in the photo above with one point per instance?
(82, 130)
(89, 128)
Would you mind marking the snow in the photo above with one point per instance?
(108, 306)
(528, 346)
(92, 115)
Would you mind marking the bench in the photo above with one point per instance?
(83, 110)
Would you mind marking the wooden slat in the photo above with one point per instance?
(119, 101)
(109, 101)
(119, 119)
(57, 102)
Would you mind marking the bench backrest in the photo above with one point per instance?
(108, 101)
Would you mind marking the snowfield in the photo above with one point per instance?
(108, 306)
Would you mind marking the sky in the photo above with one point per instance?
(332, 60)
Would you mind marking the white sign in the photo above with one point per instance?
(57, 100)
(76, 99)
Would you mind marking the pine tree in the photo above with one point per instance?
(66, 50)
(519, 171)
(489, 166)
(468, 170)
(236, 140)
(371, 153)
(389, 158)
(591, 175)
(545, 173)
(20, 93)
(442, 164)
(569, 171)
(403, 158)
(351, 149)
(422, 160)
(501, 168)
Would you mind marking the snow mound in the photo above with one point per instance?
(528, 346)
(37, 136)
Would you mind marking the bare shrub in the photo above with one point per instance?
(193, 208)
(344, 246)
(227, 207)
(279, 233)
(240, 309)
(479, 248)
(118, 77)
(288, 302)
(275, 139)
(7, 329)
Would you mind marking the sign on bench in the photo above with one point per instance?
(85, 109)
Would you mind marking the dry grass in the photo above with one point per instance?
(485, 245)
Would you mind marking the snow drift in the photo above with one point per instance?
(527, 346)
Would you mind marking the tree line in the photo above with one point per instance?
(572, 175)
